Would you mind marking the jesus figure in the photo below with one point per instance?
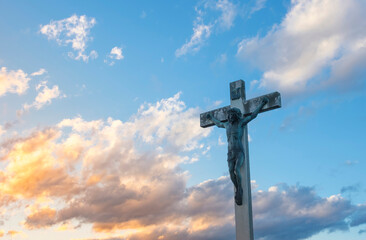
(234, 132)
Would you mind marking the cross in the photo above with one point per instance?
(243, 213)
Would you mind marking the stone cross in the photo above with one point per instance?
(243, 213)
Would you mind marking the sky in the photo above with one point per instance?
(100, 136)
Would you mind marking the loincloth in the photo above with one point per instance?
(233, 154)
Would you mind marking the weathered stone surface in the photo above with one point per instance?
(243, 212)
(220, 114)
(249, 107)
(252, 104)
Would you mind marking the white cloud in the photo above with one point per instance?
(74, 30)
(39, 72)
(220, 60)
(221, 142)
(259, 4)
(228, 13)
(116, 53)
(44, 97)
(13, 81)
(154, 125)
(201, 30)
(253, 185)
(319, 43)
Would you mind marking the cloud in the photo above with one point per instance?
(281, 212)
(124, 179)
(351, 163)
(143, 15)
(13, 233)
(202, 213)
(201, 30)
(41, 218)
(299, 209)
(302, 113)
(359, 217)
(351, 188)
(13, 81)
(228, 13)
(44, 97)
(221, 142)
(39, 72)
(115, 54)
(171, 130)
(2, 130)
(259, 4)
(81, 162)
(74, 30)
(33, 170)
(319, 43)
(220, 60)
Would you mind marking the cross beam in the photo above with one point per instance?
(249, 107)
(243, 213)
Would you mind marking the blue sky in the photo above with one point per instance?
(100, 104)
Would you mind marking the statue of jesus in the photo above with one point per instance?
(234, 132)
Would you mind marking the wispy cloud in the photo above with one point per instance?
(143, 15)
(13, 81)
(202, 30)
(320, 43)
(351, 188)
(351, 163)
(39, 72)
(44, 97)
(74, 30)
(259, 4)
(2, 131)
(228, 13)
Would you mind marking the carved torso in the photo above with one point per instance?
(234, 133)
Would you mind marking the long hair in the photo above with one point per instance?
(235, 111)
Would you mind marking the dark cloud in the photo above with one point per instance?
(351, 188)
(283, 212)
(42, 218)
(359, 217)
(296, 212)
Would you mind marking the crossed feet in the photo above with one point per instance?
(239, 197)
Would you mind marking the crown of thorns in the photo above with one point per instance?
(235, 111)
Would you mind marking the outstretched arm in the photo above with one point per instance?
(255, 113)
(215, 121)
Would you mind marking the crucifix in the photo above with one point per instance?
(234, 119)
